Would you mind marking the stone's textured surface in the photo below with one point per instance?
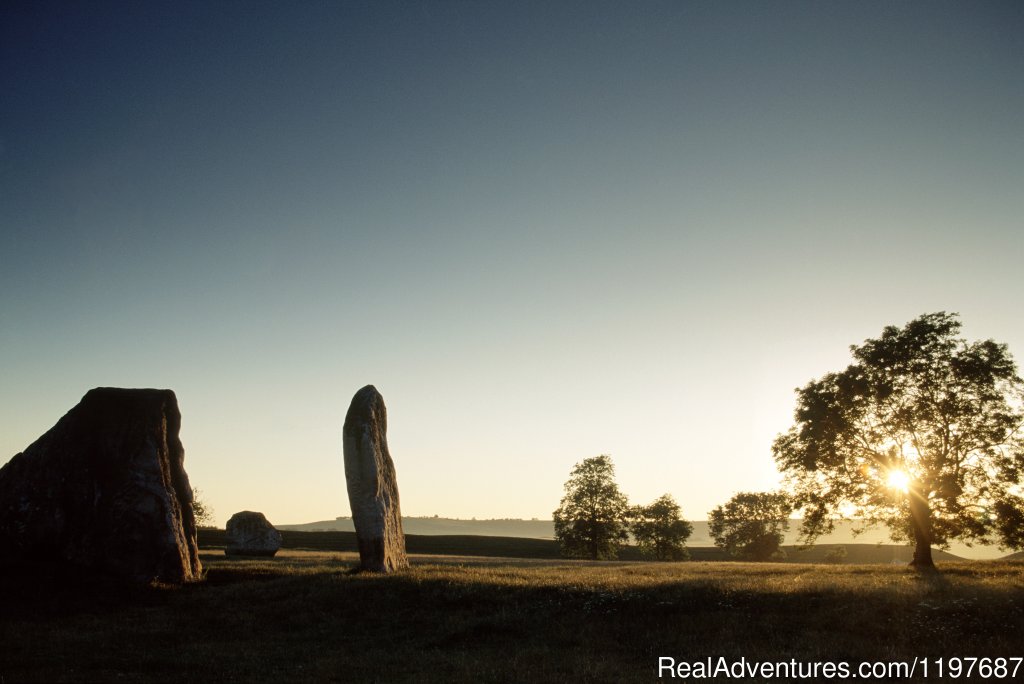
(372, 486)
(105, 488)
(251, 534)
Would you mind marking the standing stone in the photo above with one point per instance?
(251, 534)
(372, 486)
(105, 489)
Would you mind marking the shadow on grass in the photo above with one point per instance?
(307, 618)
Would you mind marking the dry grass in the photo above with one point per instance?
(304, 617)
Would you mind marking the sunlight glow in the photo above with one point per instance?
(898, 479)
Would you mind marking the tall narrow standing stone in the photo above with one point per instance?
(372, 486)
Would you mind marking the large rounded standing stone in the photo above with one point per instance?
(251, 534)
(106, 489)
(372, 486)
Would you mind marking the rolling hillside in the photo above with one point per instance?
(521, 547)
(544, 529)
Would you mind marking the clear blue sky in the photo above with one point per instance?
(544, 231)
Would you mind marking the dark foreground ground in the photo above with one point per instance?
(304, 617)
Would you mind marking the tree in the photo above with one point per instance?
(659, 529)
(750, 525)
(202, 511)
(921, 433)
(591, 521)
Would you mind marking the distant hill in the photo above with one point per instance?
(545, 529)
(862, 553)
(527, 529)
(520, 547)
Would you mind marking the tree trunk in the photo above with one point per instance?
(921, 521)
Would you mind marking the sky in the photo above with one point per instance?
(544, 231)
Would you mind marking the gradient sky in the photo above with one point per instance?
(544, 231)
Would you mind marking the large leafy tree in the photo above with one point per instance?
(920, 433)
(751, 525)
(591, 521)
(659, 529)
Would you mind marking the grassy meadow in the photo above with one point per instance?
(303, 616)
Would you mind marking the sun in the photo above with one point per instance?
(898, 479)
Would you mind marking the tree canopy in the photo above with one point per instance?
(591, 521)
(659, 529)
(751, 524)
(920, 433)
(201, 510)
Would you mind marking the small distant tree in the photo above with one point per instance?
(202, 511)
(751, 525)
(591, 521)
(659, 529)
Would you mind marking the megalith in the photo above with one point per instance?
(105, 489)
(249, 533)
(372, 486)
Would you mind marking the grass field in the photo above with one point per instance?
(303, 616)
